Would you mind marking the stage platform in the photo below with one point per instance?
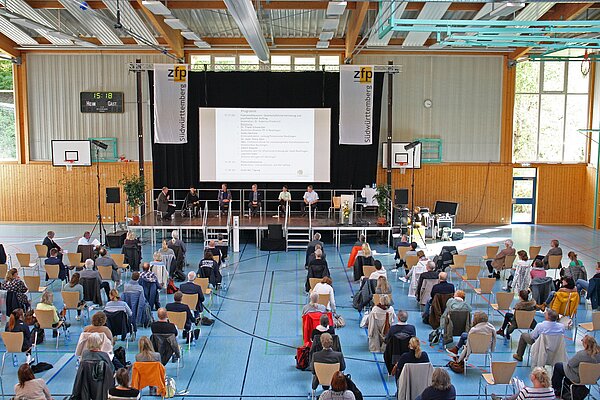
(365, 224)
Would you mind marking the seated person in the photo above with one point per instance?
(192, 202)
(30, 387)
(105, 260)
(14, 283)
(541, 389)
(223, 248)
(317, 269)
(16, 323)
(312, 256)
(522, 272)
(254, 201)
(163, 327)
(165, 250)
(63, 271)
(310, 200)
(480, 325)
(339, 389)
(575, 270)
(47, 304)
(323, 327)
(567, 286)
(224, 198)
(99, 325)
(581, 284)
(178, 306)
(190, 287)
(313, 305)
(176, 242)
(441, 288)
(116, 304)
(402, 243)
(162, 203)
(430, 273)
(537, 270)
(123, 390)
(494, 266)
(379, 271)
(550, 326)
(418, 269)
(326, 356)
(441, 387)
(134, 284)
(524, 304)
(414, 356)
(285, 199)
(589, 354)
(89, 273)
(209, 268)
(401, 329)
(212, 247)
(87, 240)
(457, 303)
(312, 245)
(411, 252)
(383, 287)
(555, 250)
(148, 276)
(94, 352)
(146, 351)
(74, 286)
(50, 244)
(326, 287)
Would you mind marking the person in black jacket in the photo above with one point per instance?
(192, 202)
(178, 306)
(414, 356)
(209, 268)
(190, 287)
(316, 269)
(16, 323)
(63, 271)
(255, 201)
(2, 254)
(50, 244)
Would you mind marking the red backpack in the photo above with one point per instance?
(302, 355)
(171, 288)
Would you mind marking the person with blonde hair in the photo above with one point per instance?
(441, 387)
(146, 351)
(541, 389)
(383, 286)
(364, 257)
(326, 287)
(47, 304)
(570, 371)
(414, 356)
(116, 304)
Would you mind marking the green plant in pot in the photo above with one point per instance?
(134, 188)
(382, 195)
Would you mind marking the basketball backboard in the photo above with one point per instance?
(76, 153)
(402, 158)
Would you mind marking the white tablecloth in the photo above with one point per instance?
(368, 193)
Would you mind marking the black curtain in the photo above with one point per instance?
(177, 166)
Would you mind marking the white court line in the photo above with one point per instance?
(51, 373)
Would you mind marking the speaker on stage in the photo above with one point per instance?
(401, 197)
(113, 195)
(275, 231)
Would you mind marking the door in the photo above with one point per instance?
(523, 195)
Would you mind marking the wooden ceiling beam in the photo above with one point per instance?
(8, 46)
(172, 36)
(355, 22)
(560, 12)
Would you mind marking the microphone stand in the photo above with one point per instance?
(99, 216)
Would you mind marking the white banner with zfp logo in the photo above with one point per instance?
(356, 104)
(170, 103)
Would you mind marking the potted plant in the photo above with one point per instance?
(382, 195)
(134, 188)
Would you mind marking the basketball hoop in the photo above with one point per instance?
(403, 166)
(69, 165)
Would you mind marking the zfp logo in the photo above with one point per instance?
(364, 75)
(177, 74)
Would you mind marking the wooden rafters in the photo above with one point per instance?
(172, 36)
(560, 12)
(8, 46)
(355, 22)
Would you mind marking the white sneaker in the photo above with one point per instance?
(403, 279)
(28, 359)
(78, 318)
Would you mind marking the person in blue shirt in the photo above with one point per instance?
(550, 326)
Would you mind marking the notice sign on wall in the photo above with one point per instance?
(356, 104)
(170, 103)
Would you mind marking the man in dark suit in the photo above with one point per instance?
(401, 329)
(54, 260)
(51, 244)
(178, 306)
(190, 287)
(444, 287)
(254, 201)
(163, 203)
(326, 356)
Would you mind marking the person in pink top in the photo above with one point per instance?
(538, 270)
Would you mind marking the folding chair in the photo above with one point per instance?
(45, 319)
(3, 271)
(203, 283)
(368, 270)
(589, 374)
(179, 318)
(508, 263)
(502, 373)
(324, 373)
(105, 273)
(324, 299)
(554, 263)
(33, 284)
(411, 261)
(534, 251)
(42, 251)
(74, 260)
(472, 273)
(190, 300)
(119, 259)
(523, 320)
(336, 204)
(402, 250)
(490, 252)
(24, 260)
(458, 262)
(71, 301)
(13, 341)
(486, 286)
(479, 343)
(504, 301)
(52, 270)
(593, 326)
(313, 282)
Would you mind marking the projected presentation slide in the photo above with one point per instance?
(264, 144)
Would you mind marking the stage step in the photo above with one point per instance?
(213, 234)
(297, 239)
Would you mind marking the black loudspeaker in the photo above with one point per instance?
(275, 231)
(113, 195)
(401, 197)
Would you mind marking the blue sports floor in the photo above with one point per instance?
(263, 299)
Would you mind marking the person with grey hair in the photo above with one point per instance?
(90, 273)
(316, 269)
(444, 287)
(323, 327)
(441, 387)
(313, 305)
(310, 248)
(550, 326)
(175, 241)
(93, 351)
(401, 329)
(430, 273)
(190, 287)
(326, 356)
(494, 266)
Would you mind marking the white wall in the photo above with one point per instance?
(54, 82)
(467, 103)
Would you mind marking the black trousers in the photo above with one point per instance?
(169, 212)
(557, 377)
(106, 286)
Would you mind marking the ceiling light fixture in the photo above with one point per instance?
(326, 36)
(175, 23)
(505, 9)
(336, 8)
(244, 14)
(156, 7)
(189, 35)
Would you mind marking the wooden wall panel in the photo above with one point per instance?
(42, 193)
(560, 193)
(480, 203)
(588, 199)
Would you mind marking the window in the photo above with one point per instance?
(281, 63)
(200, 62)
(304, 63)
(550, 106)
(329, 63)
(8, 127)
(249, 63)
(224, 64)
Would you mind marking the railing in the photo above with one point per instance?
(287, 217)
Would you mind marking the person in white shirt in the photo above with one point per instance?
(379, 271)
(326, 287)
(284, 198)
(311, 198)
(86, 240)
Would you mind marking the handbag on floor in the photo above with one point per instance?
(339, 321)
(364, 322)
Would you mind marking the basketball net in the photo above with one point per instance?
(402, 167)
(69, 165)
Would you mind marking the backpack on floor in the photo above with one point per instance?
(352, 387)
(148, 318)
(302, 356)
(171, 388)
(171, 288)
